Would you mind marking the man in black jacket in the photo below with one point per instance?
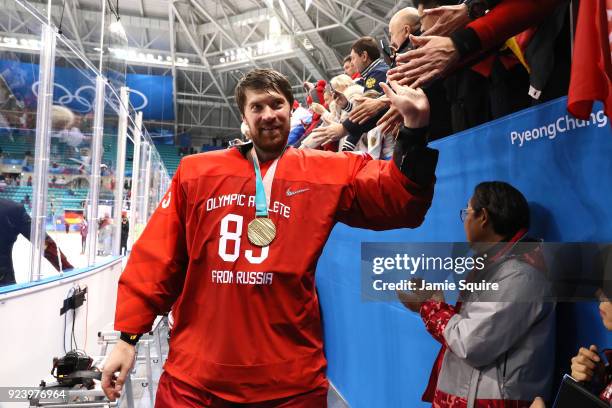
(125, 230)
(14, 220)
(364, 117)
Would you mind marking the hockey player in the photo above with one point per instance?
(232, 251)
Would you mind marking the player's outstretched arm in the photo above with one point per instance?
(383, 195)
(411, 155)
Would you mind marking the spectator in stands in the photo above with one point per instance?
(377, 144)
(365, 57)
(373, 112)
(588, 366)
(28, 161)
(14, 220)
(438, 54)
(29, 182)
(316, 94)
(244, 132)
(72, 137)
(349, 68)
(497, 346)
(592, 366)
(468, 88)
(351, 93)
(405, 23)
(300, 116)
(339, 83)
(62, 119)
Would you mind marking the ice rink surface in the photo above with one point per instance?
(69, 243)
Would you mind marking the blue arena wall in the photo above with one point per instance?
(379, 353)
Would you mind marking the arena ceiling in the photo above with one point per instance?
(213, 42)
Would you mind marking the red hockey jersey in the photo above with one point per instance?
(247, 320)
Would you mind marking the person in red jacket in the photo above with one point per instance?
(233, 255)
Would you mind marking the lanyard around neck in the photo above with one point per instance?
(263, 187)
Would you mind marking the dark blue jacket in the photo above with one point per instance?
(13, 221)
(373, 75)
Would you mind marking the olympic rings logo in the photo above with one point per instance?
(144, 100)
(81, 100)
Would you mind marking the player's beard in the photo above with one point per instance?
(270, 144)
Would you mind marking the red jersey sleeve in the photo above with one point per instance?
(509, 18)
(378, 196)
(154, 275)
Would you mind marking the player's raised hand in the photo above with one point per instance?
(411, 103)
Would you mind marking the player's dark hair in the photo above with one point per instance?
(262, 80)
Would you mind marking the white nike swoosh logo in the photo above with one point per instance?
(292, 193)
(166, 202)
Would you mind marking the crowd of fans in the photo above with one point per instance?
(475, 61)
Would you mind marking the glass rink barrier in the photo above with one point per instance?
(75, 158)
(79, 178)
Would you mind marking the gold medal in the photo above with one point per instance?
(261, 231)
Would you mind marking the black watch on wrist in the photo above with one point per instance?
(476, 8)
(130, 338)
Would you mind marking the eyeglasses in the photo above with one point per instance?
(464, 212)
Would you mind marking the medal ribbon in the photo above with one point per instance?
(263, 187)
